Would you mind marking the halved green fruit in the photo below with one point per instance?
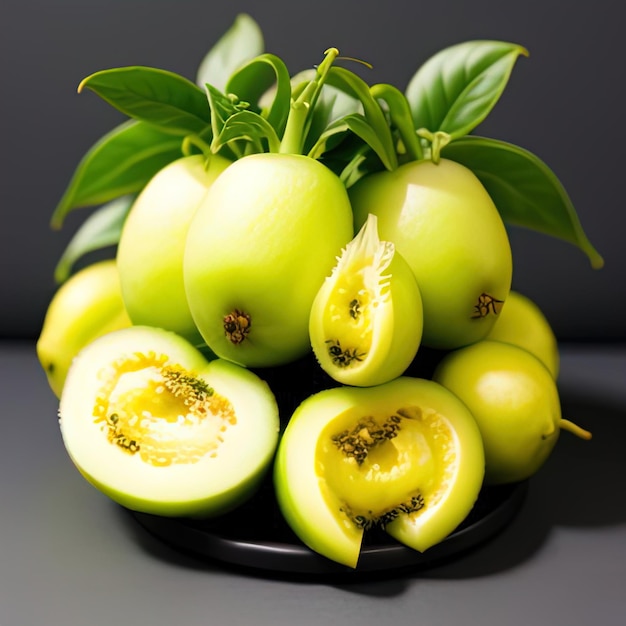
(366, 320)
(153, 425)
(406, 455)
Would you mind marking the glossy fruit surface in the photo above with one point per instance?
(366, 320)
(87, 305)
(515, 402)
(406, 455)
(444, 223)
(150, 251)
(153, 425)
(522, 323)
(258, 250)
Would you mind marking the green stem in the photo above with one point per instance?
(438, 140)
(193, 140)
(293, 137)
(400, 113)
(575, 429)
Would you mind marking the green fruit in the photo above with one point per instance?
(87, 305)
(258, 250)
(522, 323)
(444, 223)
(515, 402)
(151, 247)
(366, 320)
(406, 455)
(153, 425)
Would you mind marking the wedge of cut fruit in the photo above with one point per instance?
(366, 320)
(406, 455)
(153, 425)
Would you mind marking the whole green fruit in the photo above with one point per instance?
(444, 223)
(515, 402)
(522, 323)
(258, 250)
(89, 304)
(151, 247)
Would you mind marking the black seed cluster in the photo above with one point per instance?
(343, 357)
(365, 435)
(369, 521)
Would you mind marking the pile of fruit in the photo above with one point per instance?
(261, 218)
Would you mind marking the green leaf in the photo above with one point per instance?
(121, 162)
(357, 88)
(525, 190)
(252, 81)
(455, 89)
(158, 97)
(240, 43)
(362, 129)
(250, 127)
(100, 230)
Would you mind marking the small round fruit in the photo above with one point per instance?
(258, 250)
(522, 323)
(151, 247)
(515, 402)
(153, 425)
(444, 223)
(87, 305)
(406, 455)
(366, 320)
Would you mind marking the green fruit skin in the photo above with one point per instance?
(206, 489)
(89, 304)
(262, 242)
(298, 485)
(151, 247)
(444, 223)
(522, 323)
(515, 402)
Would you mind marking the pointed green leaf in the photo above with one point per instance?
(250, 127)
(455, 89)
(158, 97)
(525, 190)
(100, 230)
(253, 80)
(121, 162)
(356, 87)
(240, 43)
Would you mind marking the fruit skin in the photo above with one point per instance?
(368, 268)
(298, 471)
(261, 244)
(444, 223)
(208, 487)
(515, 402)
(87, 305)
(522, 323)
(151, 247)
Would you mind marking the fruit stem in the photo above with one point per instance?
(438, 140)
(293, 138)
(575, 429)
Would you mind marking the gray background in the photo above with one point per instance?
(563, 103)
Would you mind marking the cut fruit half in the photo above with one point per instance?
(153, 425)
(406, 456)
(366, 321)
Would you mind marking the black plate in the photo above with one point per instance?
(256, 536)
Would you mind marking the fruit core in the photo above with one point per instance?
(237, 326)
(377, 467)
(159, 411)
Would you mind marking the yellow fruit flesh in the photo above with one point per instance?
(376, 468)
(160, 412)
